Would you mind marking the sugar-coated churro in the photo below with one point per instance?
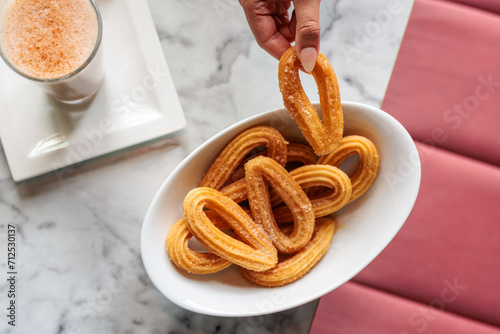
(265, 204)
(234, 153)
(369, 162)
(324, 135)
(337, 195)
(261, 172)
(255, 251)
(187, 259)
(300, 263)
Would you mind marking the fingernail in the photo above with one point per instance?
(308, 59)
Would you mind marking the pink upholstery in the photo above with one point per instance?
(446, 85)
(358, 309)
(489, 5)
(445, 90)
(452, 235)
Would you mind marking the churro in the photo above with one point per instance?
(186, 258)
(333, 198)
(255, 251)
(257, 172)
(297, 154)
(323, 136)
(234, 153)
(300, 154)
(369, 162)
(300, 263)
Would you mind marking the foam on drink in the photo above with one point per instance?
(48, 39)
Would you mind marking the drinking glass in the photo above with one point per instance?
(79, 85)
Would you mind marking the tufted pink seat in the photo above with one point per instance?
(358, 309)
(440, 273)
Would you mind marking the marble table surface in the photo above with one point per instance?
(78, 234)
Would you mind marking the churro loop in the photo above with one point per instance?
(300, 153)
(322, 136)
(369, 162)
(299, 264)
(232, 155)
(257, 172)
(325, 203)
(254, 252)
(237, 191)
(297, 153)
(187, 259)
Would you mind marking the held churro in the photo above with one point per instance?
(322, 136)
(257, 172)
(234, 153)
(254, 252)
(369, 162)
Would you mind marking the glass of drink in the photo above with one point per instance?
(55, 43)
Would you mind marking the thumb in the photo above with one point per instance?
(307, 32)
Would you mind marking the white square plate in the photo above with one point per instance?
(136, 104)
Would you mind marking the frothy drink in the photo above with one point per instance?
(54, 42)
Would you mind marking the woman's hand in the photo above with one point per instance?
(274, 30)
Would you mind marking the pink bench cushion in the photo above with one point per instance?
(452, 237)
(489, 5)
(445, 88)
(356, 309)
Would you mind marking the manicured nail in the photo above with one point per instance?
(308, 59)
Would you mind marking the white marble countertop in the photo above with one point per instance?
(78, 233)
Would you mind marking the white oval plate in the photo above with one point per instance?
(366, 225)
